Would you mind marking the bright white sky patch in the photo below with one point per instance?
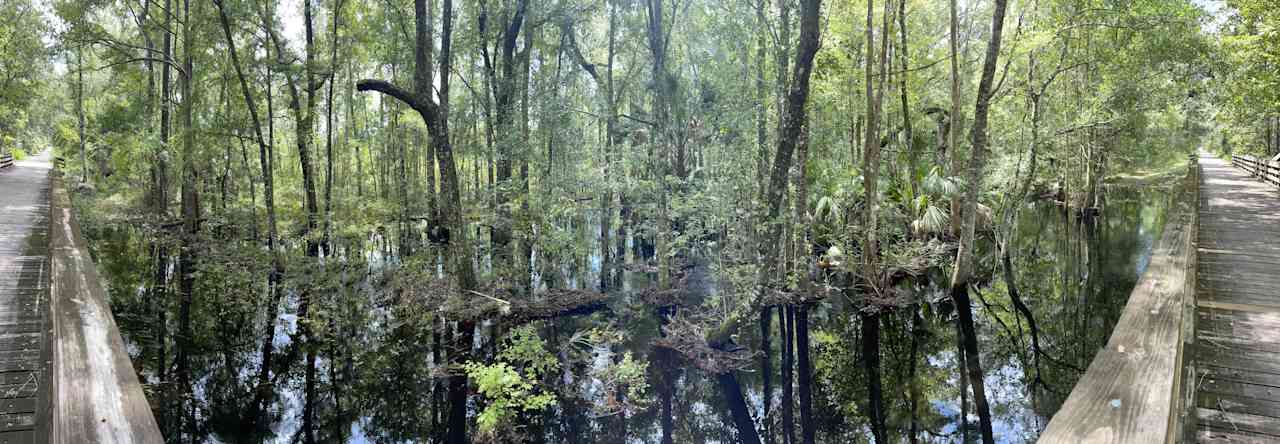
(1218, 12)
(289, 12)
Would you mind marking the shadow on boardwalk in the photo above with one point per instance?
(1237, 353)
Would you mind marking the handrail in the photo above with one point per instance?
(96, 395)
(1266, 170)
(6, 160)
(1181, 422)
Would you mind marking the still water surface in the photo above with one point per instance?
(1075, 275)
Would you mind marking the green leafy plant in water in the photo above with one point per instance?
(625, 387)
(508, 390)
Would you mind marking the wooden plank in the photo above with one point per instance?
(1213, 419)
(96, 393)
(18, 405)
(1257, 284)
(1236, 301)
(1230, 316)
(1245, 342)
(1241, 375)
(1250, 255)
(10, 341)
(1237, 389)
(17, 421)
(1221, 266)
(26, 389)
(1238, 404)
(18, 437)
(1257, 361)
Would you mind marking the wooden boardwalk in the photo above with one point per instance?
(24, 299)
(65, 376)
(1237, 344)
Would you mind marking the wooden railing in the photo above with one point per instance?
(6, 160)
(1135, 388)
(1266, 170)
(1182, 414)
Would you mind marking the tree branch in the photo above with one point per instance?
(425, 107)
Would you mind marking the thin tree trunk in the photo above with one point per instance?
(805, 377)
(766, 370)
(913, 156)
(161, 276)
(965, 256)
(964, 382)
(954, 127)
(328, 128)
(788, 363)
(870, 320)
(913, 382)
(871, 365)
(762, 106)
(84, 165)
(188, 257)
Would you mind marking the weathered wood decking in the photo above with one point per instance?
(64, 374)
(24, 299)
(1237, 353)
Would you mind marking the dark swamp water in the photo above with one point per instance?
(374, 381)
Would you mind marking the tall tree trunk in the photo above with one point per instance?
(913, 156)
(805, 376)
(954, 117)
(871, 365)
(328, 127)
(804, 261)
(190, 218)
(504, 88)
(761, 107)
(766, 371)
(870, 320)
(960, 278)
(459, 250)
(964, 383)
(788, 383)
(913, 382)
(304, 110)
(84, 165)
(663, 135)
(794, 120)
(161, 274)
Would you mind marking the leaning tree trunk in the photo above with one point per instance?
(253, 419)
(794, 119)
(960, 278)
(436, 118)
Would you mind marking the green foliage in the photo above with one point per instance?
(512, 383)
(508, 392)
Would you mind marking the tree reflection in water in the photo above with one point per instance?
(379, 382)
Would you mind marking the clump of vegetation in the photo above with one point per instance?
(512, 384)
